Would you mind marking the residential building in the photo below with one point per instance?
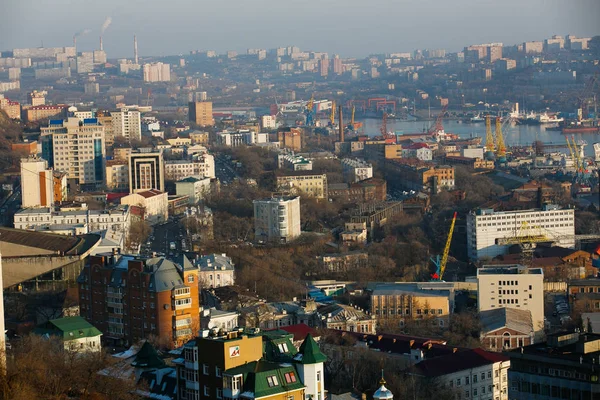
(198, 137)
(584, 294)
(355, 233)
(486, 226)
(117, 175)
(504, 329)
(268, 122)
(370, 190)
(127, 124)
(356, 170)
(154, 203)
(475, 163)
(379, 151)
(50, 218)
(294, 162)
(146, 171)
(218, 319)
(130, 298)
(194, 187)
(348, 318)
(422, 176)
(36, 113)
(85, 62)
(533, 47)
(37, 183)
(512, 286)
(11, 108)
(290, 138)
(565, 366)
(105, 119)
(201, 165)
(77, 334)
(277, 219)
(76, 148)
(37, 98)
(306, 185)
(156, 72)
(215, 270)
(472, 374)
(200, 112)
(420, 151)
(279, 314)
(26, 148)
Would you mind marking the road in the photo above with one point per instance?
(224, 169)
(10, 207)
(164, 234)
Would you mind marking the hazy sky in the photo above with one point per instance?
(347, 27)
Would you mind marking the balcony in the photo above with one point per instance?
(192, 385)
(182, 304)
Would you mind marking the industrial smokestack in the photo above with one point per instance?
(75, 44)
(135, 50)
(101, 47)
(341, 125)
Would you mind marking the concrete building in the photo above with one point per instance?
(59, 180)
(202, 165)
(212, 318)
(156, 72)
(486, 226)
(305, 185)
(421, 176)
(354, 233)
(200, 112)
(199, 137)
(127, 124)
(215, 270)
(294, 162)
(146, 171)
(290, 138)
(420, 151)
(117, 175)
(36, 113)
(77, 334)
(37, 98)
(268, 122)
(565, 366)
(195, 187)
(37, 184)
(129, 298)
(356, 170)
(533, 47)
(11, 108)
(85, 62)
(512, 286)
(277, 219)
(77, 148)
(154, 203)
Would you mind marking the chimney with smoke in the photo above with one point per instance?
(135, 50)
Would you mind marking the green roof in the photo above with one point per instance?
(148, 357)
(309, 352)
(70, 328)
(279, 348)
(264, 378)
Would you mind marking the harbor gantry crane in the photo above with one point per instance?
(572, 153)
(332, 114)
(441, 264)
(489, 139)
(500, 146)
(438, 126)
(352, 119)
(310, 112)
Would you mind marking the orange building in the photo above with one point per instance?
(25, 148)
(36, 113)
(130, 298)
(290, 138)
(59, 179)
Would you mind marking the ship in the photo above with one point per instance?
(580, 129)
(549, 119)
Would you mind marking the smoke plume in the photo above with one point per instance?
(106, 24)
(82, 33)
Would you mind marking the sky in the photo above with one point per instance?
(351, 28)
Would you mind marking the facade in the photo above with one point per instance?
(290, 138)
(354, 233)
(504, 329)
(486, 226)
(294, 162)
(130, 298)
(11, 108)
(356, 170)
(472, 374)
(194, 187)
(215, 270)
(307, 185)
(157, 72)
(268, 122)
(277, 219)
(146, 171)
(36, 113)
(201, 165)
(77, 334)
(37, 183)
(354, 260)
(512, 286)
(76, 148)
(218, 319)
(348, 318)
(370, 190)
(198, 137)
(154, 202)
(563, 367)
(584, 294)
(127, 123)
(200, 112)
(117, 175)
(59, 180)
(421, 176)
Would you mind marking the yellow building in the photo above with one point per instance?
(200, 112)
(379, 150)
(179, 141)
(198, 137)
(307, 185)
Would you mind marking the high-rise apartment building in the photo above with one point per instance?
(85, 62)
(129, 299)
(324, 66)
(127, 123)
(146, 171)
(200, 112)
(75, 147)
(157, 72)
(338, 68)
(512, 286)
(37, 185)
(277, 219)
(486, 226)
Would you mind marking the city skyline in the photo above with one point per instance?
(403, 26)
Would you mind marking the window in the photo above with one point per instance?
(219, 393)
(318, 376)
(474, 378)
(466, 394)
(283, 348)
(206, 390)
(458, 382)
(217, 371)
(489, 374)
(483, 376)
(467, 380)
(205, 370)
(272, 381)
(290, 377)
(474, 391)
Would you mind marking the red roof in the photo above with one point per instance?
(150, 193)
(300, 331)
(111, 197)
(418, 146)
(459, 361)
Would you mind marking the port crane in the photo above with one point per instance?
(310, 112)
(332, 114)
(384, 129)
(437, 125)
(441, 264)
(490, 146)
(500, 146)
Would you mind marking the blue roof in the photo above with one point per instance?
(90, 120)
(56, 122)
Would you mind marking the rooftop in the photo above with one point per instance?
(70, 328)
(459, 361)
(512, 318)
(508, 269)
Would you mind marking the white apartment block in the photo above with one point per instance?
(355, 170)
(268, 122)
(37, 183)
(512, 286)
(157, 72)
(127, 123)
(277, 219)
(203, 165)
(486, 226)
(79, 219)
(76, 148)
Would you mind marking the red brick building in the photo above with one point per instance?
(129, 298)
(505, 329)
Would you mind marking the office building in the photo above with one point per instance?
(303, 185)
(202, 165)
(512, 286)
(356, 170)
(77, 148)
(127, 123)
(37, 185)
(157, 72)
(154, 203)
(129, 299)
(486, 226)
(200, 113)
(146, 171)
(565, 366)
(277, 219)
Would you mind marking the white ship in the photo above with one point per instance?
(549, 119)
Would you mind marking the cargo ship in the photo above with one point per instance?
(581, 129)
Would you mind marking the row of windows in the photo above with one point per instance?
(483, 376)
